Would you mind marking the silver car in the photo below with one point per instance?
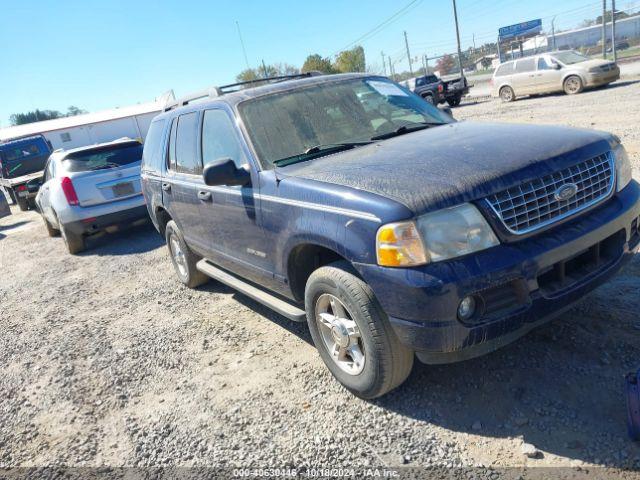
(90, 189)
(566, 71)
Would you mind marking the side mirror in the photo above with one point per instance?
(556, 66)
(224, 172)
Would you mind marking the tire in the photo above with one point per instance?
(51, 230)
(572, 85)
(31, 203)
(429, 98)
(455, 101)
(507, 94)
(183, 259)
(22, 204)
(384, 362)
(75, 243)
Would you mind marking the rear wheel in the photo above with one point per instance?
(352, 332)
(74, 242)
(53, 232)
(507, 95)
(22, 204)
(573, 85)
(455, 101)
(183, 259)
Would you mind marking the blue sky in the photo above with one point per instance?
(102, 54)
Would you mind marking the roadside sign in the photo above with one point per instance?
(532, 27)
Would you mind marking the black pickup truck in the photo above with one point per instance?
(21, 161)
(437, 91)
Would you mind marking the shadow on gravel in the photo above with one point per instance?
(136, 239)
(560, 388)
(11, 226)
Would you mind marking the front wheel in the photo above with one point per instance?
(183, 259)
(507, 94)
(429, 99)
(573, 85)
(352, 333)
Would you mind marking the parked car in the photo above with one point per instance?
(566, 71)
(4, 206)
(437, 91)
(90, 189)
(22, 160)
(348, 202)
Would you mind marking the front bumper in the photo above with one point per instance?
(108, 221)
(602, 78)
(517, 282)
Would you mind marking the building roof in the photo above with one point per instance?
(84, 119)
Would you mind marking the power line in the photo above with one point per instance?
(378, 28)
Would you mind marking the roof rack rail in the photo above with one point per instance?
(214, 92)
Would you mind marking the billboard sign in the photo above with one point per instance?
(524, 29)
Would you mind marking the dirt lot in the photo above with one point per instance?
(105, 359)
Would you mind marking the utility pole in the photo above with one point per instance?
(426, 64)
(384, 64)
(406, 44)
(613, 30)
(604, 29)
(553, 32)
(264, 69)
(390, 67)
(455, 17)
(474, 43)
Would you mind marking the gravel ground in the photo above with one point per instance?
(106, 360)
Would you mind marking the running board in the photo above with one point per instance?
(277, 304)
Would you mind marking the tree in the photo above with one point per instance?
(36, 115)
(445, 64)
(351, 60)
(73, 111)
(315, 63)
(247, 75)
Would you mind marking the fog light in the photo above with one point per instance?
(467, 308)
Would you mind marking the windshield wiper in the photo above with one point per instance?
(322, 149)
(407, 129)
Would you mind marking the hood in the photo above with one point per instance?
(455, 163)
(596, 62)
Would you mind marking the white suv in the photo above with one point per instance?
(90, 189)
(566, 71)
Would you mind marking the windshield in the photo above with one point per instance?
(103, 158)
(288, 124)
(569, 57)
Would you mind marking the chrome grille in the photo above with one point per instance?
(533, 205)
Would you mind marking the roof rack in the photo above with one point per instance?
(213, 92)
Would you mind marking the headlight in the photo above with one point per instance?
(437, 236)
(455, 231)
(400, 245)
(623, 167)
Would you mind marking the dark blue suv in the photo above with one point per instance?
(350, 203)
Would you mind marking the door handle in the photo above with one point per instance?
(204, 196)
(166, 187)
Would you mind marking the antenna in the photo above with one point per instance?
(244, 51)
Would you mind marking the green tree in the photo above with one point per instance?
(248, 74)
(73, 111)
(36, 115)
(316, 63)
(351, 60)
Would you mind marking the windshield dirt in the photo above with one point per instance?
(288, 124)
(111, 157)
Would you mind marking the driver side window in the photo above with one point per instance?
(220, 139)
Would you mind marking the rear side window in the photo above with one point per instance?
(152, 153)
(104, 158)
(186, 154)
(219, 138)
(504, 69)
(525, 65)
(171, 154)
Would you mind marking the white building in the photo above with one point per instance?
(590, 36)
(95, 127)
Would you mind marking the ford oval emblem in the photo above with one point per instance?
(566, 192)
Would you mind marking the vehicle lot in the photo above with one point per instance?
(105, 359)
